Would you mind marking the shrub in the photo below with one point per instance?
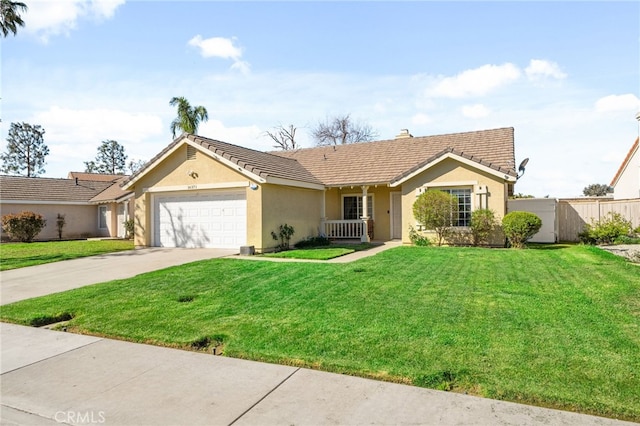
(285, 232)
(483, 222)
(60, 222)
(129, 228)
(417, 239)
(24, 226)
(607, 230)
(519, 227)
(319, 241)
(625, 239)
(434, 210)
(459, 237)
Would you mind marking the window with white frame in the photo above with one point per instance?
(102, 217)
(352, 207)
(464, 206)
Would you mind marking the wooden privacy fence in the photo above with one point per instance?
(573, 214)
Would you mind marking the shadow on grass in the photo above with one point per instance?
(537, 246)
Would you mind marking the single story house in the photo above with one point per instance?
(626, 182)
(93, 205)
(201, 192)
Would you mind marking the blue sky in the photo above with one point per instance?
(565, 75)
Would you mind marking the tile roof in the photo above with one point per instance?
(390, 160)
(96, 177)
(260, 163)
(362, 163)
(113, 193)
(21, 188)
(625, 162)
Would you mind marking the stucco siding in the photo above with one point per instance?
(297, 207)
(452, 174)
(81, 221)
(628, 185)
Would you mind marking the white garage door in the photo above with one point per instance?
(213, 220)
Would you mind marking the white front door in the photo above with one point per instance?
(396, 215)
(216, 219)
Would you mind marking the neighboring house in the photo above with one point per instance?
(93, 205)
(626, 182)
(200, 192)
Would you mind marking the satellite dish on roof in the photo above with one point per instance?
(522, 166)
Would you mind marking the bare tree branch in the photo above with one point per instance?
(285, 138)
(341, 130)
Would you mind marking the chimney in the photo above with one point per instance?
(404, 133)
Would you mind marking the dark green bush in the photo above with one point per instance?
(23, 226)
(519, 227)
(483, 222)
(313, 242)
(607, 230)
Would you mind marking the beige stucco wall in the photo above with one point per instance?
(381, 206)
(297, 207)
(81, 221)
(453, 174)
(113, 219)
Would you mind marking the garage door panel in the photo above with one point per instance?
(205, 220)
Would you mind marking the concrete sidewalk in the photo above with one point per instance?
(51, 377)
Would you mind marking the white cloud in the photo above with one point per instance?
(475, 111)
(46, 18)
(613, 103)
(242, 66)
(540, 69)
(420, 119)
(475, 82)
(220, 47)
(90, 127)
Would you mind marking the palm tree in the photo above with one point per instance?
(10, 17)
(188, 117)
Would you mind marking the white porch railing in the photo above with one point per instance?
(348, 229)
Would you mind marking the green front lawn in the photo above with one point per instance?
(312, 254)
(19, 255)
(556, 326)
(322, 252)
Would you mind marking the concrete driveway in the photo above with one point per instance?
(34, 281)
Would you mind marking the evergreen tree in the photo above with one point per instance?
(110, 159)
(26, 150)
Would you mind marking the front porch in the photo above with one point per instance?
(361, 213)
(356, 229)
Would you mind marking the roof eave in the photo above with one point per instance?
(294, 183)
(625, 162)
